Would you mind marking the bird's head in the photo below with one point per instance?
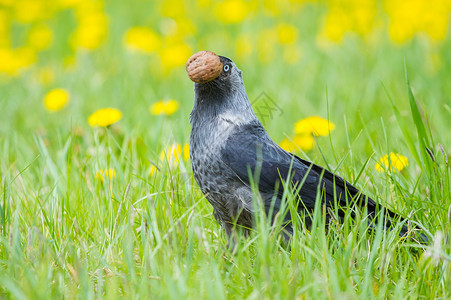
(214, 76)
(219, 88)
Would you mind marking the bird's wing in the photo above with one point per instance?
(341, 186)
(250, 149)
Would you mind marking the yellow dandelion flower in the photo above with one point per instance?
(336, 24)
(186, 152)
(12, 61)
(287, 34)
(91, 31)
(104, 117)
(435, 22)
(232, 11)
(164, 107)
(40, 37)
(7, 3)
(8, 63)
(28, 11)
(399, 33)
(203, 3)
(300, 141)
(364, 16)
(87, 37)
(304, 141)
(102, 174)
(287, 145)
(408, 18)
(395, 162)
(142, 39)
(4, 28)
(56, 99)
(69, 3)
(172, 154)
(174, 55)
(273, 7)
(316, 125)
(153, 170)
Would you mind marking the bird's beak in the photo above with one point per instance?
(204, 66)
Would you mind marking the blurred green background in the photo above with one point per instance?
(129, 55)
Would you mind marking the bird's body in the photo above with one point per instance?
(229, 148)
(230, 198)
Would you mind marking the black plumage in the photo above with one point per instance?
(228, 145)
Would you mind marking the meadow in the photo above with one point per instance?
(97, 195)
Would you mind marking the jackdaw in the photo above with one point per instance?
(229, 148)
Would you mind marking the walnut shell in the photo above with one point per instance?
(203, 66)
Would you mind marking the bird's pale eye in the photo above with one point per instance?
(226, 68)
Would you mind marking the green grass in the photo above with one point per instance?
(64, 233)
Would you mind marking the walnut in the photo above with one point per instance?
(203, 66)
